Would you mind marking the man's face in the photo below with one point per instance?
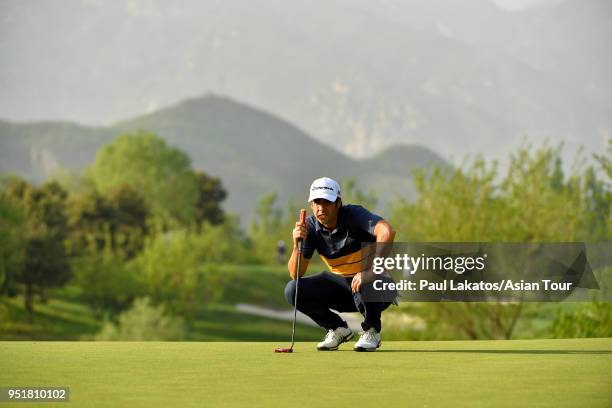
(325, 211)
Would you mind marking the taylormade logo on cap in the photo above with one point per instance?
(325, 188)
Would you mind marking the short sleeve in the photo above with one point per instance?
(309, 243)
(363, 219)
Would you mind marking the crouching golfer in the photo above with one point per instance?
(337, 232)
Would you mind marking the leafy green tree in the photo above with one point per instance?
(187, 269)
(271, 225)
(105, 232)
(144, 322)
(109, 284)
(162, 174)
(45, 263)
(593, 319)
(265, 225)
(210, 195)
(533, 202)
(12, 243)
(118, 219)
(599, 188)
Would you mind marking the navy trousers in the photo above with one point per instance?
(324, 291)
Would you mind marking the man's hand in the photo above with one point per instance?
(356, 283)
(299, 232)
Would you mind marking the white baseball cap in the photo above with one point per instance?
(325, 188)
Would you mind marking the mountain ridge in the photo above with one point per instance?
(252, 151)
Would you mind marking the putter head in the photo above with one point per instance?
(283, 350)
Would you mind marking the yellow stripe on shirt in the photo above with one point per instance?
(347, 265)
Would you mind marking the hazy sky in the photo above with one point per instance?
(523, 4)
(455, 75)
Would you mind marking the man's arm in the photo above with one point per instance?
(299, 232)
(292, 264)
(384, 234)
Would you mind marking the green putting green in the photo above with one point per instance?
(543, 373)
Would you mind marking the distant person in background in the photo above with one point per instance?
(336, 232)
(281, 250)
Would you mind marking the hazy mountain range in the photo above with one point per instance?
(359, 75)
(253, 152)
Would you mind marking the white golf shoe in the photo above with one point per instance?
(369, 341)
(334, 338)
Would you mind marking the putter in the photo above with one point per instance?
(297, 284)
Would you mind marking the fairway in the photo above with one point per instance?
(553, 373)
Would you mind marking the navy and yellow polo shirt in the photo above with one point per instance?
(340, 248)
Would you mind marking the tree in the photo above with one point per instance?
(268, 217)
(109, 285)
(117, 220)
(45, 263)
(12, 243)
(186, 269)
(105, 232)
(144, 322)
(593, 319)
(270, 225)
(600, 191)
(533, 202)
(162, 174)
(210, 195)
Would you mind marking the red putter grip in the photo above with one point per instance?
(302, 220)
